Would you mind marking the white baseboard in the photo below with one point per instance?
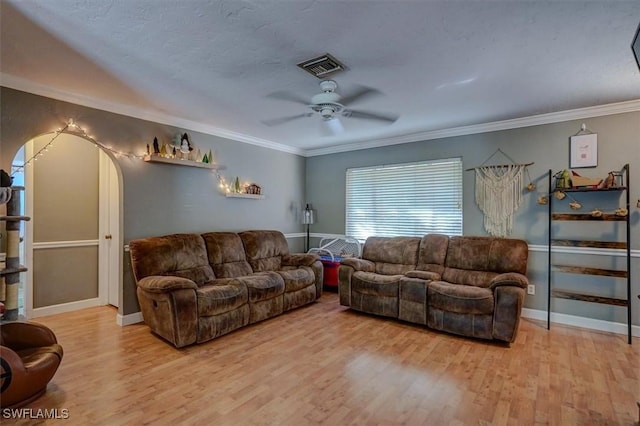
(64, 307)
(576, 321)
(129, 319)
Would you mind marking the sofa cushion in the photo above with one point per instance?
(180, 255)
(392, 255)
(487, 254)
(466, 277)
(263, 285)
(432, 253)
(226, 254)
(458, 298)
(375, 284)
(264, 249)
(223, 296)
(297, 278)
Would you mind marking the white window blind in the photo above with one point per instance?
(411, 199)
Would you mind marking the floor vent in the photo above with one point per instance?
(322, 66)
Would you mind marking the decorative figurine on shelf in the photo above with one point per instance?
(563, 179)
(211, 157)
(236, 185)
(205, 159)
(148, 152)
(253, 189)
(156, 147)
(185, 145)
(174, 152)
(610, 181)
(583, 182)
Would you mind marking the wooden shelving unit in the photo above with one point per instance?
(624, 245)
(181, 162)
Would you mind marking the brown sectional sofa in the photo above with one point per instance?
(195, 287)
(471, 286)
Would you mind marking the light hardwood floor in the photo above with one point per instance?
(325, 364)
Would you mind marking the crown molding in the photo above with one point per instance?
(534, 120)
(24, 85)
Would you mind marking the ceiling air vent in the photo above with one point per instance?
(322, 65)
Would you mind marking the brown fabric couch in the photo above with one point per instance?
(195, 287)
(472, 286)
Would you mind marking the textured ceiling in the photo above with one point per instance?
(213, 64)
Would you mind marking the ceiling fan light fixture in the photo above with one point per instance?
(327, 112)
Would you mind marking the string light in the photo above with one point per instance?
(71, 128)
(222, 183)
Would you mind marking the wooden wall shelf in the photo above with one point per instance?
(592, 244)
(249, 196)
(617, 188)
(181, 162)
(572, 269)
(588, 216)
(562, 294)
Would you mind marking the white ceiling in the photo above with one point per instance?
(210, 65)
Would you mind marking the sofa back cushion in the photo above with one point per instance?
(476, 260)
(181, 255)
(226, 254)
(392, 255)
(432, 253)
(264, 249)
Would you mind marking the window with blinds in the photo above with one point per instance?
(411, 199)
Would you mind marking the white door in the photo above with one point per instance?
(109, 253)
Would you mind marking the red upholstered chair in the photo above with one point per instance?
(29, 357)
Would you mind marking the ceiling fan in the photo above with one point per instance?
(330, 106)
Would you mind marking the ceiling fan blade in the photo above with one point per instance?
(282, 120)
(362, 92)
(287, 96)
(371, 116)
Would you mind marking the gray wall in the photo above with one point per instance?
(545, 145)
(161, 199)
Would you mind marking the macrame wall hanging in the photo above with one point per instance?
(499, 193)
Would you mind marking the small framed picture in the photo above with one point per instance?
(584, 151)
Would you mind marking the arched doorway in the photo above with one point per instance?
(71, 245)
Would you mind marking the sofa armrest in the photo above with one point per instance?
(359, 264)
(299, 259)
(424, 275)
(165, 284)
(507, 312)
(509, 278)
